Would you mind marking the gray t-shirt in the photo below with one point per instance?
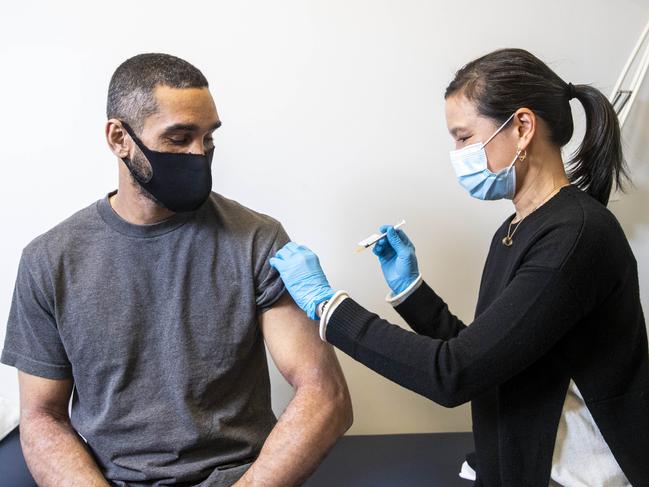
(158, 327)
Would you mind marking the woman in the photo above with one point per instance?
(558, 326)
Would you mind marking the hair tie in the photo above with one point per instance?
(572, 91)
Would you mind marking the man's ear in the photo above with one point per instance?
(525, 126)
(116, 138)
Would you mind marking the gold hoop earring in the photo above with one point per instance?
(523, 156)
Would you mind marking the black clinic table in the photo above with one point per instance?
(414, 460)
(432, 459)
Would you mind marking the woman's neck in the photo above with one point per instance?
(544, 176)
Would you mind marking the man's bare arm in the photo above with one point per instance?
(54, 452)
(319, 413)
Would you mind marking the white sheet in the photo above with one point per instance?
(9, 417)
(467, 472)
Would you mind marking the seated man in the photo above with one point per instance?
(154, 304)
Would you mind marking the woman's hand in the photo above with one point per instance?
(300, 270)
(397, 257)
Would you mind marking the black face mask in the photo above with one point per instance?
(180, 181)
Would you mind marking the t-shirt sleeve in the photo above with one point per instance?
(269, 286)
(32, 343)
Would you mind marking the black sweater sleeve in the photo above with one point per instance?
(427, 314)
(532, 313)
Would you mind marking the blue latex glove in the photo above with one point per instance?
(397, 257)
(300, 270)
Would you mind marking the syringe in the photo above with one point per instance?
(375, 237)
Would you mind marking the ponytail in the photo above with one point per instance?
(599, 161)
(505, 80)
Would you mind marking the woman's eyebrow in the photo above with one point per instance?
(455, 130)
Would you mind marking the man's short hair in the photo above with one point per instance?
(130, 92)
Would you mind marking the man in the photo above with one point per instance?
(154, 305)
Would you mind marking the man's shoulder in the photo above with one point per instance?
(236, 215)
(68, 234)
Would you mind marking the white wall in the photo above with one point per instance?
(333, 123)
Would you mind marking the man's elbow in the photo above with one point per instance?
(339, 408)
(344, 409)
(334, 403)
(37, 424)
(39, 418)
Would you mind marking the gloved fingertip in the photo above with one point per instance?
(384, 228)
(290, 246)
(393, 238)
(402, 235)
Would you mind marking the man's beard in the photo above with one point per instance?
(142, 169)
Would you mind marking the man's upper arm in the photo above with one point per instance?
(33, 343)
(41, 395)
(299, 354)
(268, 285)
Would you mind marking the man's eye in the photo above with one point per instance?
(178, 139)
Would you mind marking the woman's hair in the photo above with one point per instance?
(503, 81)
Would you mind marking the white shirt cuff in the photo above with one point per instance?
(328, 310)
(405, 294)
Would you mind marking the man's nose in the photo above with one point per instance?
(198, 147)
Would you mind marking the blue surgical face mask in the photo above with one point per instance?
(472, 170)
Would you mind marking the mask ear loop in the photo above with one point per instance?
(518, 152)
(517, 157)
(521, 155)
(499, 129)
(127, 161)
(134, 137)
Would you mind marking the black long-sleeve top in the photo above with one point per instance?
(562, 302)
